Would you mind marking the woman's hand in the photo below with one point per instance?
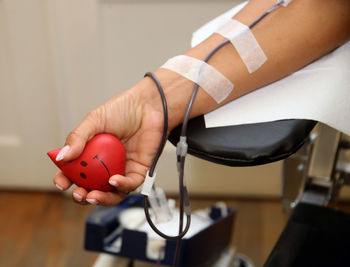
(138, 123)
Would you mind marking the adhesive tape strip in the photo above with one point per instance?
(203, 74)
(244, 42)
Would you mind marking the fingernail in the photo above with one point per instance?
(92, 201)
(113, 182)
(60, 188)
(77, 197)
(62, 153)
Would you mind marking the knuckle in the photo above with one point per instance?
(73, 135)
(92, 115)
(95, 119)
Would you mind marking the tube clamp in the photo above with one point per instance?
(148, 184)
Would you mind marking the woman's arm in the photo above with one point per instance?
(291, 37)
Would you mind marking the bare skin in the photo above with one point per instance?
(291, 38)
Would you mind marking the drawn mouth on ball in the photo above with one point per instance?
(104, 165)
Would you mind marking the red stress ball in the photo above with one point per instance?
(103, 156)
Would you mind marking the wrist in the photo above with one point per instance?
(177, 91)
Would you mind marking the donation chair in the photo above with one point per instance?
(313, 173)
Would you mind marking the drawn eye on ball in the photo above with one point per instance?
(84, 164)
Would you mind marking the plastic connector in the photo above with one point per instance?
(148, 184)
(159, 205)
(182, 147)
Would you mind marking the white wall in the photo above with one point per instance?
(61, 58)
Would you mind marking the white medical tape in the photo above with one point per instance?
(207, 77)
(244, 42)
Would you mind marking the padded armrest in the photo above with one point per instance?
(245, 145)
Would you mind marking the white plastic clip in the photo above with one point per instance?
(286, 2)
(148, 184)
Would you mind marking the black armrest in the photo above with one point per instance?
(245, 145)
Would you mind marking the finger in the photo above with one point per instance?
(76, 140)
(105, 198)
(79, 195)
(61, 181)
(126, 183)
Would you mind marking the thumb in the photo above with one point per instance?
(77, 139)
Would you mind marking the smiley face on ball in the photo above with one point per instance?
(104, 156)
